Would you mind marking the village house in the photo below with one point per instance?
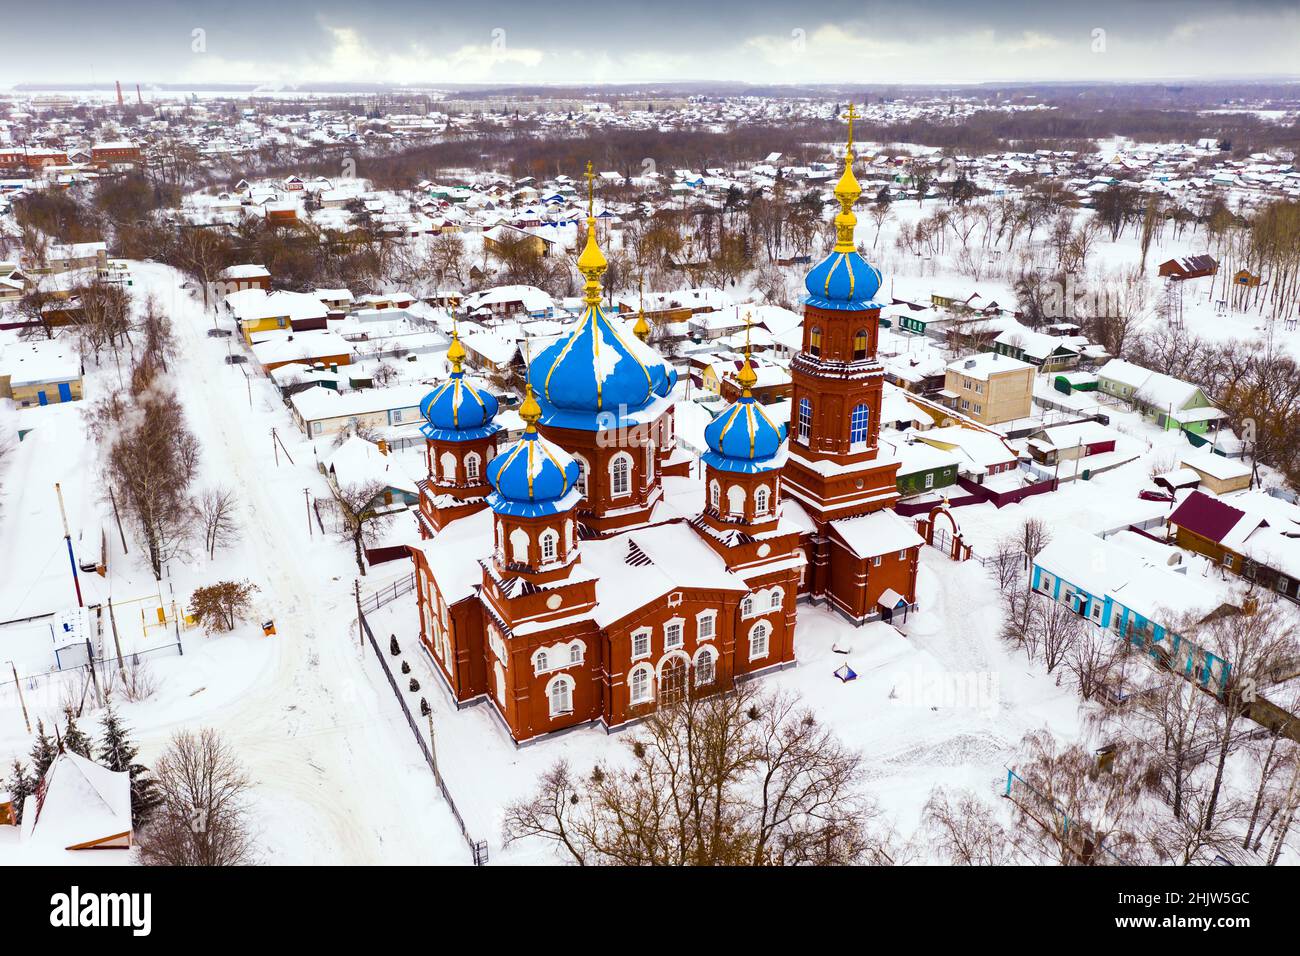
(284, 347)
(80, 805)
(1250, 535)
(257, 311)
(320, 410)
(1124, 591)
(1171, 402)
(1188, 267)
(1219, 474)
(358, 463)
(1051, 446)
(246, 276)
(989, 387)
(43, 372)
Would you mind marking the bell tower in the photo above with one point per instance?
(836, 469)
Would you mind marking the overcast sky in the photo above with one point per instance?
(558, 41)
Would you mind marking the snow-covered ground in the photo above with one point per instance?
(338, 778)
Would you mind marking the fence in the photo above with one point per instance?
(105, 667)
(377, 599)
(478, 848)
(1074, 835)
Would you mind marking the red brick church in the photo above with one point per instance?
(592, 569)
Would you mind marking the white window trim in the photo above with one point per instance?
(649, 671)
(650, 640)
(621, 456)
(550, 701)
(712, 618)
(680, 623)
(767, 637)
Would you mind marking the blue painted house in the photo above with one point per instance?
(1131, 594)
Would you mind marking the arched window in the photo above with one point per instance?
(762, 500)
(501, 538)
(715, 494)
(519, 546)
(859, 344)
(575, 653)
(561, 696)
(620, 475)
(540, 662)
(747, 606)
(705, 671)
(775, 598)
(582, 474)
(805, 419)
(815, 340)
(736, 499)
(568, 535)
(448, 466)
(858, 423)
(639, 684)
(549, 542)
(472, 462)
(758, 640)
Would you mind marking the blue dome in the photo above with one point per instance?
(744, 438)
(843, 281)
(599, 366)
(457, 411)
(532, 477)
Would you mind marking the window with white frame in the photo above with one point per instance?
(858, 423)
(550, 545)
(715, 494)
(706, 624)
(762, 500)
(747, 606)
(541, 663)
(759, 636)
(472, 465)
(519, 546)
(561, 696)
(736, 499)
(448, 466)
(620, 475)
(582, 474)
(805, 420)
(776, 598)
(638, 683)
(704, 667)
(575, 652)
(673, 634)
(641, 643)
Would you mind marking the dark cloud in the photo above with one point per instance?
(586, 41)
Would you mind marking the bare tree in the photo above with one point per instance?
(360, 508)
(738, 778)
(216, 513)
(964, 831)
(202, 818)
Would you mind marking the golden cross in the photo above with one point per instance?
(591, 191)
(852, 114)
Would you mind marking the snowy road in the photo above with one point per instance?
(339, 778)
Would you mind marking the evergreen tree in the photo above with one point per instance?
(118, 753)
(74, 740)
(20, 786)
(43, 752)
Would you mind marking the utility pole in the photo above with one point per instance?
(67, 537)
(433, 742)
(361, 630)
(306, 494)
(118, 518)
(275, 448)
(19, 685)
(117, 642)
